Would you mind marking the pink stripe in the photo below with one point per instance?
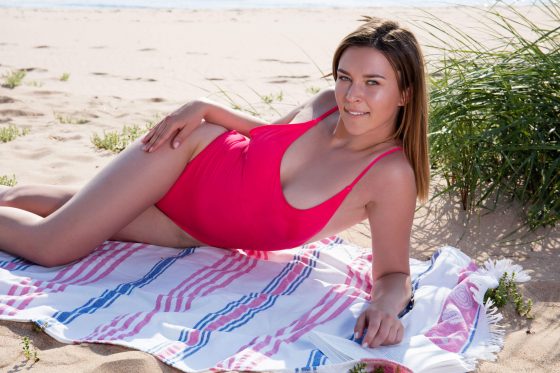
(225, 261)
(101, 328)
(216, 270)
(244, 267)
(123, 326)
(241, 309)
(305, 323)
(82, 266)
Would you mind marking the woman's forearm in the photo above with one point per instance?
(213, 112)
(392, 292)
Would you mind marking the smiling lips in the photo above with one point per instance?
(356, 113)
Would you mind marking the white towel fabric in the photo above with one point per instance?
(291, 310)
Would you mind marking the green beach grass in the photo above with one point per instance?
(11, 132)
(13, 79)
(8, 180)
(495, 114)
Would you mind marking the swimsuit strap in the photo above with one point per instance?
(383, 155)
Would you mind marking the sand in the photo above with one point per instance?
(130, 67)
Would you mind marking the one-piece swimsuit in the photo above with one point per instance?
(230, 195)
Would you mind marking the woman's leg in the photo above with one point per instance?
(41, 200)
(151, 226)
(118, 194)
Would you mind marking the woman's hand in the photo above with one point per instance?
(180, 123)
(383, 327)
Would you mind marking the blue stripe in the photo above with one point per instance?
(416, 281)
(109, 296)
(318, 358)
(274, 283)
(252, 312)
(24, 264)
(472, 332)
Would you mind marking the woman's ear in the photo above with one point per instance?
(405, 96)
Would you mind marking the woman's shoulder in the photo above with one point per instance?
(393, 176)
(314, 107)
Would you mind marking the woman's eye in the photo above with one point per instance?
(343, 78)
(372, 82)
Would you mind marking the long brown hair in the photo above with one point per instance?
(402, 50)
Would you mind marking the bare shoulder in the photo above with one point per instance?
(312, 108)
(322, 101)
(392, 180)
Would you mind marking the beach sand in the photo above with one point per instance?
(130, 67)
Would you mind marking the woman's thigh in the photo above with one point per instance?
(121, 193)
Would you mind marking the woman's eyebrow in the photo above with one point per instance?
(365, 76)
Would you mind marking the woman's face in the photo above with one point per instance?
(367, 92)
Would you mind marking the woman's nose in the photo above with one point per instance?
(353, 93)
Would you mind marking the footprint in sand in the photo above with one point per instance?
(42, 46)
(6, 100)
(99, 74)
(214, 79)
(156, 99)
(18, 113)
(281, 61)
(37, 69)
(46, 93)
(146, 50)
(33, 154)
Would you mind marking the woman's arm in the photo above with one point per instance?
(390, 214)
(184, 120)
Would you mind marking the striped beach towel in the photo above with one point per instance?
(292, 310)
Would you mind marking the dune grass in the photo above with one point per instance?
(10, 132)
(495, 114)
(67, 119)
(13, 79)
(8, 180)
(116, 141)
(64, 77)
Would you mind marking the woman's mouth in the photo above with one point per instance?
(356, 113)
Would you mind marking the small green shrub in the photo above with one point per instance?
(66, 119)
(8, 180)
(117, 142)
(13, 79)
(29, 350)
(11, 132)
(358, 368)
(64, 77)
(507, 291)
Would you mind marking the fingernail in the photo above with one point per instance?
(364, 345)
(356, 336)
(175, 144)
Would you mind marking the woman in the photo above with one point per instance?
(356, 152)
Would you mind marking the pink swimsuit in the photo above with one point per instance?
(230, 194)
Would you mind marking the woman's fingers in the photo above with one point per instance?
(160, 134)
(372, 328)
(360, 325)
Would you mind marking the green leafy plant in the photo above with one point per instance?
(10, 132)
(117, 142)
(29, 350)
(64, 77)
(358, 368)
(495, 114)
(13, 79)
(8, 180)
(507, 291)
